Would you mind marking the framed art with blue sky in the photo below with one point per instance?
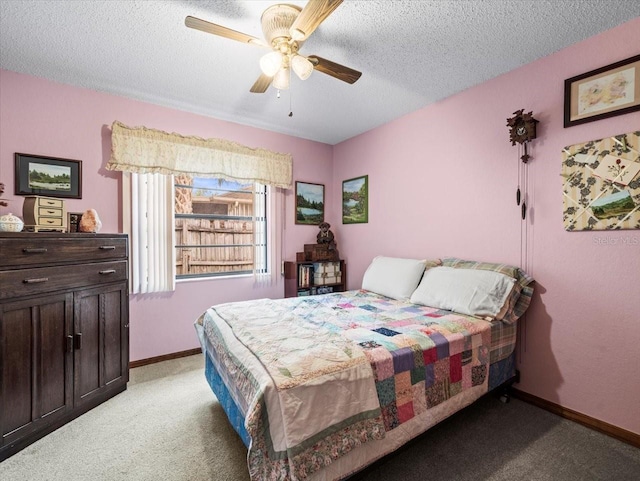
(355, 200)
(309, 203)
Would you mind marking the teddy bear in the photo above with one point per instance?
(325, 236)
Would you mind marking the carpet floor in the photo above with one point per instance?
(168, 426)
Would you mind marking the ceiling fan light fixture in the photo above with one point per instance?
(296, 34)
(277, 20)
(285, 28)
(281, 79)
(301, 66)
(271, 63)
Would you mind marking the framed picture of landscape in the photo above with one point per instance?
(355, 200)
(49, 176)
(309, 203)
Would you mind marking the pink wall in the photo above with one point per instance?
(46, 118)
(442, 182)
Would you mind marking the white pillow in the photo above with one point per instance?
(467, 291)
(393, 277)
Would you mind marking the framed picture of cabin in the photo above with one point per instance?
(355, 200)
(48, 176)
(309, 203)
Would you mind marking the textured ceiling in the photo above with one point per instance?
(411, 53)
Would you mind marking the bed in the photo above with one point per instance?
(319, 387)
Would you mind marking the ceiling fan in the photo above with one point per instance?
(285, 28)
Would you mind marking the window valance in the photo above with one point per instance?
(143, 150)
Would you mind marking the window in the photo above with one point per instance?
(220, 227)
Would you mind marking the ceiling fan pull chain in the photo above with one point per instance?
(290, 108)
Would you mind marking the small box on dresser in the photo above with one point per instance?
(44, 214)
(64, 330)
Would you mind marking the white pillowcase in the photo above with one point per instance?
(393, 277)
(467, 291)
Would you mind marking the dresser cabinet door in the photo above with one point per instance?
(101, 346)
(35, 364)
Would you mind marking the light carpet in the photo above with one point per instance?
(168, 426)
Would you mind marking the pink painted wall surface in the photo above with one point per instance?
(442, 182)
(50, 119)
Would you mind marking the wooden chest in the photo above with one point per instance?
(319, 252)
(44, 213)
(326, 273)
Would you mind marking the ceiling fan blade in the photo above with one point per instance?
(336, 70)
(203, 25)
(312, 15)
(262, 84)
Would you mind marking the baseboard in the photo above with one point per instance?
(165, 357)
(605, 428)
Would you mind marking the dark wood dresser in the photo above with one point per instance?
(64, 330)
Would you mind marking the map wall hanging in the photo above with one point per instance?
(601, 184)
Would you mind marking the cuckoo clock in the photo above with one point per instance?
(522, 129)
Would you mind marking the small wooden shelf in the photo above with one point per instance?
(307, 279)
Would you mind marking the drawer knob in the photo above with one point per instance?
(108, 271)
(36, 280)
(107, 248)
(34, 250)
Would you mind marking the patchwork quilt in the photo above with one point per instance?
(318, 376)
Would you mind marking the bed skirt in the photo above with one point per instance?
(226, 401)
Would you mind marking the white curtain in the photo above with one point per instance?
(149, 221)
(143, 150)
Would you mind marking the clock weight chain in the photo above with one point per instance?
(522, 130)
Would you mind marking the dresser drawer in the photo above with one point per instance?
(49, 202)
(45, 222)
(25, 282)
(32, 250)
(49, 212)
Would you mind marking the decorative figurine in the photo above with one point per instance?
(10, 223)
(325, 236)
(90, 222)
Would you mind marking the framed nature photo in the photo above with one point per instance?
(355, 200)
(604, 92)
(50, 176)
(309, 203)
